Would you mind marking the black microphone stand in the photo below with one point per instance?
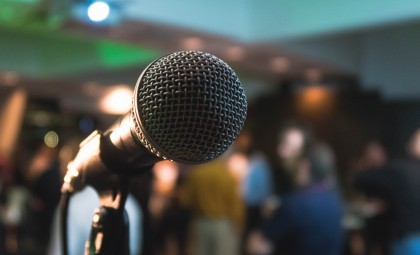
(110, 227)
(109, 234)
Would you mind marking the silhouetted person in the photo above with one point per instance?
(398, 186)
(44, 183)
(376, 230)
(308, 220)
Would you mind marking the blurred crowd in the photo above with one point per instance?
(243, 203)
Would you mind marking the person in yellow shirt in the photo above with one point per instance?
(211, 193)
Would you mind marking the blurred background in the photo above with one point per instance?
(348, 69)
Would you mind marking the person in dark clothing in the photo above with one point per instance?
(308, 221)
(44, 183)
(376, 229)
(398, 186)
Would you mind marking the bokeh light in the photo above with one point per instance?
(117, 100)
(98, 11)
(51, 139)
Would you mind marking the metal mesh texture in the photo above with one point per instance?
(190, 107)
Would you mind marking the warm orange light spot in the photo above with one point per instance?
(316, 100)
(166, 173)
(117, 100)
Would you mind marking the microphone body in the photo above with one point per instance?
(188, 107)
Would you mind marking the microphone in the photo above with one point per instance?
(188, 107)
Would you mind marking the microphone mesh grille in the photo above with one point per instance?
(190, 107)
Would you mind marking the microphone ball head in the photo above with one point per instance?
(188, 107)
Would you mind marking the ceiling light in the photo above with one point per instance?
(235, 53)
(98, 11)
(313, 75)
(279, 64)
(92, 89)
(9, 78)
(192, 43)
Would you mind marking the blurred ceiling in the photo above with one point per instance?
(56, 51)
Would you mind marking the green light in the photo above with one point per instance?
(114, 55)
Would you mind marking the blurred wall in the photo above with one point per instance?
(385, 59)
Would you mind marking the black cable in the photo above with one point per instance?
(64, 210)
